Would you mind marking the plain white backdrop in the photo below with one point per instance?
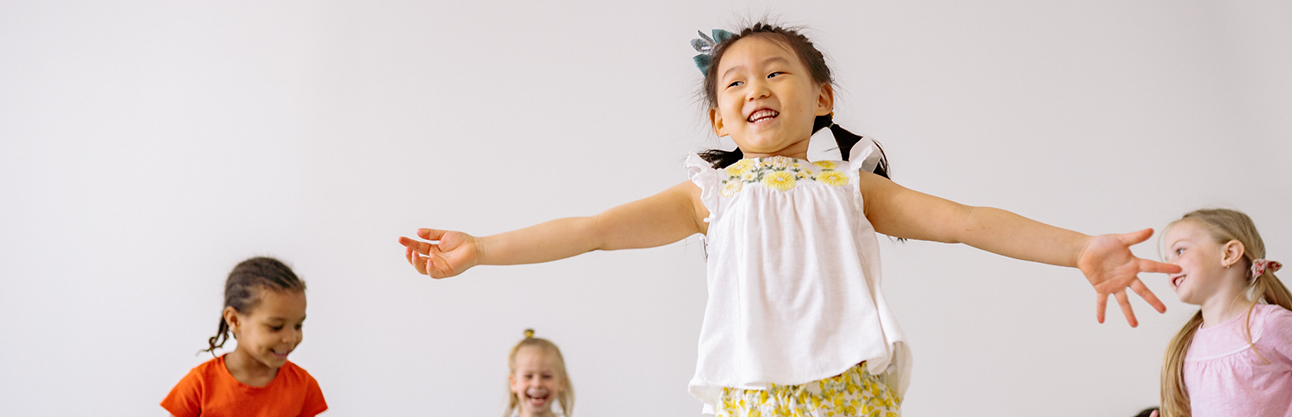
(147, 147)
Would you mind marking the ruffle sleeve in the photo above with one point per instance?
(864, 156)
(705, 177)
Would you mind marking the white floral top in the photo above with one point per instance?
(793, 273)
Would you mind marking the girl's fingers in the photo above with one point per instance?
(1146, 265)
(430, 234)
(419, 247)
(432, 270)
(1143, 291)
(1133, 238)
(413, 260)
(437, 268)
(1126, 308)
(1101, 304)
(427, 257)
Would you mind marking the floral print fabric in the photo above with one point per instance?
(856, 392)
(779, 173)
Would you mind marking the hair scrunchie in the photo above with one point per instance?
(1260, 265)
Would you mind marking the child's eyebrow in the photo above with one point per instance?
(765, 62)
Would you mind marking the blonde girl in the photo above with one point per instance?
(1234, 357)
(796, 322)
(537, 379)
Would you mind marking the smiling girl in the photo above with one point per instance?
(796, 321)
(537, 379)
(1234, 357)
(264, 310)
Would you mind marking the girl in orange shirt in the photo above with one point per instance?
(264, 309)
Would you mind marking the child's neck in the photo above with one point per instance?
(543, 413)
(796, 150)
(1225, 305)
(248, 370)
(795, 155)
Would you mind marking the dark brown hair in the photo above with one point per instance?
(242, 290)
(812, 58)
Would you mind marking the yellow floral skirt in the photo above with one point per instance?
(855, 392)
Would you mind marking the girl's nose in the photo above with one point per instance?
(758, 90)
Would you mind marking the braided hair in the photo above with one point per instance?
(242, 290)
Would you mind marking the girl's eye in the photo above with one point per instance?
(774, 74)
(299, 326)
(276, 328)
(1179, 251)
(735, 84)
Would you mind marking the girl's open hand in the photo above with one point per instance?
(447, 254)
(1111, 267)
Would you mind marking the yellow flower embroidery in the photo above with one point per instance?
(779, 180)
(781, 173)
(741, 167)
(730, 188)
(834, 178)
(778, 162)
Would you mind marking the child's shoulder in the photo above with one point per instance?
(1273, 313)
(208, 370)
(1274, 321)
(296, 374)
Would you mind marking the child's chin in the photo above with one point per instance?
(273, 361)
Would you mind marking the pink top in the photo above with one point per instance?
(1224, 377)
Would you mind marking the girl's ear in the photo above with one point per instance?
(825, 100)
(1231, 253)
(231, 318)
(715, 121)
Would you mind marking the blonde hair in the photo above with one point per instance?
(566, 397)
(1224, 226)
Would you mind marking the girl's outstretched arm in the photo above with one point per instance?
(1106, 260)
(657, 220)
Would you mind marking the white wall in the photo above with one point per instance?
(147, 147)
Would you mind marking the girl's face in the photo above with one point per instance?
(535, 382)
(767, 99)
(272, 329)
(1202, 263)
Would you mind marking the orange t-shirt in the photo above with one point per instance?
(209, 390)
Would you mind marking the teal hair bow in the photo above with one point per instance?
(705, 44)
